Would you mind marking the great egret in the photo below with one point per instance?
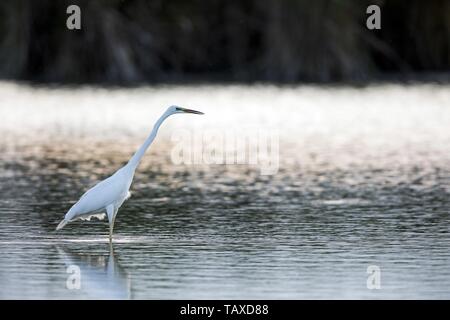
(108, 195)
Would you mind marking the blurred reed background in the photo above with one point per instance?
(134, 41)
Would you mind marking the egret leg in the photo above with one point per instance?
(111, 228)
(111, 211)
(110, 233)
(111, 250)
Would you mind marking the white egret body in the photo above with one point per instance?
(109, 194)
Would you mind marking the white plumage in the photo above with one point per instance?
(109, 194)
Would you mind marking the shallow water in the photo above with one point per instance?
(362, 179)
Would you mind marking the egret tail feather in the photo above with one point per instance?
(62, 224)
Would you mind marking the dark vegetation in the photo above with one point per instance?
(248, 40)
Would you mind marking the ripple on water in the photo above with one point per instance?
(363, 179)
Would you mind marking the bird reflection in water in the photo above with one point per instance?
(101, 276)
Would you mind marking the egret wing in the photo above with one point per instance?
(97, 198)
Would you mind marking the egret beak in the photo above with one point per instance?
(189, 110)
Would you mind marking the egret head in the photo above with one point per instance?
(177, 109)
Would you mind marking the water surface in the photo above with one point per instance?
(363, 179)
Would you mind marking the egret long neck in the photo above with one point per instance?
(136, 159)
